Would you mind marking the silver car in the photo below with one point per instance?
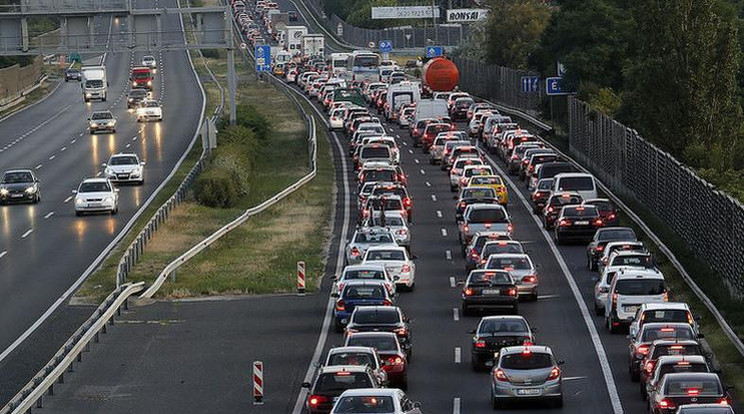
(364, 238)
(396, 222)
(125, 168)
(524, 373)
(96, 195)
(102, 121)
(522, 270)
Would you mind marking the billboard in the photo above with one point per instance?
(466, 15)
(408, 12)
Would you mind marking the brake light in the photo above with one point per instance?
(642, 350)
(466, 228)
(406, 268)
(354, 251)
(386, 303)
(723, 401)
(511, 292)
(474, 253)
(462, 204)
(395, 360)
(598, 222)
(480, 343)
(530, 279)
(340, 306)
(611, 217)
(550, 209)
(554, 373)
(693, 391)
(667, 329)
(666, 404)
(600, 248)
(500, 376)
(649, 366)
(407, 202)
(315, 400)
(564, 223)
(690, 320)
(400, 331)
(509, 228)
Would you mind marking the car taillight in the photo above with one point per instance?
(315, 400)
(690, 320)
(599, 248)
(611, 217)
(387, 303)
(666, 296)
(466, 228)
(480, 343)
(512, 292)
(530, 279)
(474, 253)
(401, 331)
(509, 228)
(406, 268)
(723, 401)
(401, 232)
(614, 300)
(598, 222)
(642, 349)
(550, 209)
(554, 373)
(667, 404)
(407, 202)
(500, 376)
(564, 223)
(355, 251)
(340, 306)
(500, 189)
(649, 366)
(395, 360)
(468, 292)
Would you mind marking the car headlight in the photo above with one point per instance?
(4, 191)
(108, 171)
(88, 95)
(149, 83)
(79, 200)
(131, 99)
(108, 199)
(31, 190)
(111, 123)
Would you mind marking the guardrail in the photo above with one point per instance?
(725, 327)
(32, 395)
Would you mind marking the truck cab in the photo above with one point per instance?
(141, 77)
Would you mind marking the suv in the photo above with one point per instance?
(331, 382)
(630, 288)
(382, 319)
(483, 217)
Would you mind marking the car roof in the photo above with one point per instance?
(95, 180)
(340, 349)
(510, 350)
(502, 317)
(634, 272)
(665, 342)
(365, 334)
(363, 266)
(649, 306)
(329, 369)
(123, 154)
(478, 206)
(510, 255)
(679, 358)
(385, 392)
(665, 325)
(629, 253)
(692, 375)
(378, 308)
(18, 171)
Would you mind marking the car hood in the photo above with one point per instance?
(87, 196)
(123, 168)
(16, 186)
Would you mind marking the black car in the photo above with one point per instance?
(292, 16)
(489, 289)
(460, 108)
(473, 195)
(604, 236)
(72, 74)
(474, 249)
(677, 389)
(19, 186)
(577, 222)
(496, 332)
(332, 382)
(135, 96)
(382, 319)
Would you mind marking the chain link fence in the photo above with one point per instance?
(497, 83)
(708, 221)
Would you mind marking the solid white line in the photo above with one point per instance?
(456, 406)
(444, 232)
(29, 231)
(73, 141)
(458, 354)
(453, 283)
(405, 144)
(433, 197)
(52, 157)
(573, 378)
(50, 214)
(548, 296)
(448, 254)
(63, 149)
(3, 253)
(98, 174)
(604, 362)
(456, 314)
(68, 199)
(397, 136)
(439, 213)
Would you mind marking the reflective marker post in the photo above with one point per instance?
(258, 382)
(300, 278)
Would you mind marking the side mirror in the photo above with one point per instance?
(334, 295)
(143, 163)
(116, 190)
(74, 191)
(561, 362)
(460, 283)
(103, 164)
(306, 385)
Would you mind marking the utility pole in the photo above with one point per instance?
(230, 66)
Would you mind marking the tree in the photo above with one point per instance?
(681, 88)
(513, 31)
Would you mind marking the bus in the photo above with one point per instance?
(364, 65)
(338, 62)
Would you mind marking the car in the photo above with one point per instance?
(576, 222)
(149, 110)
(102, 121)
(458, 166)
(540, 194)
(602, 289)
(532, 159)
(474, 248)
(704, 409)
(335, 121)
(150, 62)
(375, 204)
(96, 195)
(358, 355)
(436, 151)
(665, 347)
(620, 246)
(483, 217)
(662, 312)
(514, 162)
(460, 107)
(388, 401)
(72, 74)
(494, 333)
(521, 268)
(125, 168)
(449, 155)
(136, 96)
(470, 171)
(667, 364)
(396, 222)
(292, 16)
(363, 272)
(377, 172)
(397, 262)
(20, 186)
(399, 189)
(526, 373)
(677, 389)
(493, 181)
(631, 258)
(499, 247)
(358, 293)
(630, 288)
(640, 343)
(387, 346)
(473, 195)
(607, 210)
(383, 319)
(487, 290)
(602, 237)
(363, 239)
(332, 381)
(553, 206)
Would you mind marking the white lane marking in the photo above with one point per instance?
(456, 314)
(448, 254)
(428, 184)
(456, 406)
(433, 197)
(63, 149)
(98, 174)
(135, 138)
(37, 167)
(439, 213)
(444, 232)
(397, 136)
(81, 134)
(127, 146)
(548, 296)
(49, 214)
(410, 151)
(453, 283)
(73, 141)
(405, 144)
(3, 253)
(423, 172)
(416, 160)
(67, 200)
(573, 378)
(52, 157)
(29, 231)
(604, 362)
(458, 354)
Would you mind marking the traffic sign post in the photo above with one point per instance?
(554, 86)
(301, 278)
(263, 58)
(434, 51)
(530, 84)
(258, 382)
(386, 46)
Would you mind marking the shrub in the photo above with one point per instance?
(211, 53)
(249, 117)
(216, 188)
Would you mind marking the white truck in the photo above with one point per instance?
(313, 45)
(293, 39)
(93, 82)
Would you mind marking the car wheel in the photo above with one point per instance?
(533, 297)
(558, 402)
(495, 402)
(642, 389)
(78, 213)
(611, 326)
(337, 327)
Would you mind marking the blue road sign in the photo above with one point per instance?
(554, 86)
(386, 46)
(530, 84)
(263, 58)
(434, 51)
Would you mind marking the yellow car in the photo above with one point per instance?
(492, 181)
(279, 70)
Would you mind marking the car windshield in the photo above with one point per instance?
(526, 361)
(366, 61)
(341, 381)
(94, 83)
(389, 221)
(478, 193)
(617, 234)
(487, 215)
(493, 278)
(381, 343)
(94, 187)
(640, 260)
(152, 104)
(17, 177)
(399, 191)
(367, 188)
(509, 263)
(373, 238)
(651, 334)
(363, 291)
(141, 75)
(101, 115)
(693, 386)
(123, 160)
(386, 255)
(364, 405)
(500, 248)
(376, 316)
(351, 358)
(640, 287)
(137, 92)
(576, 184)
(486, 181)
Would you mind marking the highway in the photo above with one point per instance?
(45, 248)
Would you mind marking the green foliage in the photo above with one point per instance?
(216, 188)
(6, 61)
(514, 30)
(249, 117)
(604, 100)
(359, 12)
(211, 53)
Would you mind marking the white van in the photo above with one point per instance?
(582, 183)
(398, 95)
(631, 288)
(430, 108)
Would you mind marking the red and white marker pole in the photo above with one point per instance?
(300, 278)
(258, 382)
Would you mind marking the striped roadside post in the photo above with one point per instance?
(300, 278)
(258, 382)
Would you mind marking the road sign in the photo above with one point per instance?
(554, 87)
(530, 84)
(434, 51)
(263, 58)
(386, 46)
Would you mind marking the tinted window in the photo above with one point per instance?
(341, 381)
(527, 361)
(617, 234)
(95, 83)
(365, 405)
(684, 367)
(640, 260)
(560, 200)
(376, 152)
(363, 292)
(94, 187)
(496, 248)
(708, 386)
(386, 255)
(364, 274)
(641, 286)
(580, 212)
(376, 316)
(399, 191)
(17, 177)
(379, 175)
(123, 161)
(509, 263)
(676, 350)
(494, 278)
(668, 315)
(382, 343)
(487, 215)
(389, 221)
(351, 358)
(576, 184)
(486, 181)
(101, 115)
(478, 193)
(652, 334)
(495, 326)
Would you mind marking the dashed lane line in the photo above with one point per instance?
(444, 232)
(29, 231)
(448, 254)
(453, 282)
(49, 214)
(439, 213)
(458, 354)
(455, 314)
(433, 197)
(3, 253)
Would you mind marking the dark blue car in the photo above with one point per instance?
(358, 293)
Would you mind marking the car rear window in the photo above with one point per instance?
(399, 191)
(487, 215)
(580, 212)
(351, 358)
(367, 405)
(576, 184)
(684, 386)
(494, 278)
(509, 263)
(376, 152)
(486, 181)
(381, 343)
(386, 255)
(533, 360)
(478, 193)
(478, 171)
(617, 234)
(373, 238)
(560, 200)
(389, 221)
(500, 326)
(364, 274)
(379, 175)
(376, 316)
(499, 248)
(677, 332)
(364, 291)
(340, 381)
(640, 287)
(640, 260)
(665, 315)
(681, 367)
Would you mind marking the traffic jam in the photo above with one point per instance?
(372, 102)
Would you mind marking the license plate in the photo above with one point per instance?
(630, 308)
(16, 195)
(582, 223)
(94, 204)
(491, 291)
(532, 391)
